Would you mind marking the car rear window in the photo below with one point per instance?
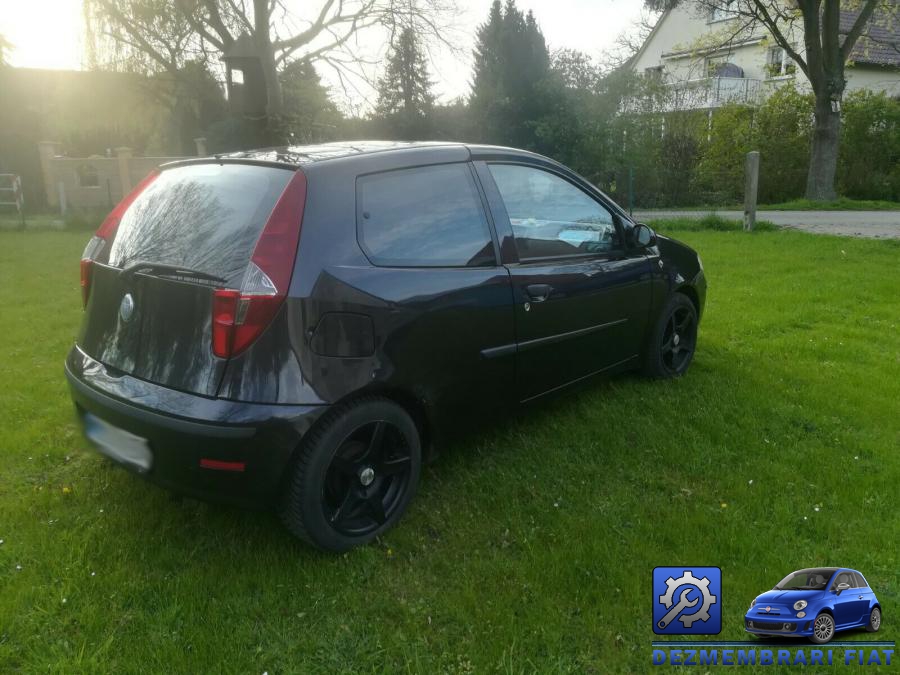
(425, 217)
(203, 217)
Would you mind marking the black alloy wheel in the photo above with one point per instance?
(354, 475)
(670, 349)
(679, 340)
(367, 479)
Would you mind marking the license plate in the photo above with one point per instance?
(119, 445)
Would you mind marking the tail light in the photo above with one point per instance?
(105, 234)
(240, 316)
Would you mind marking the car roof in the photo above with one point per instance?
(300, 155)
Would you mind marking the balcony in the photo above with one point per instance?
(700, 94)
(711, 92)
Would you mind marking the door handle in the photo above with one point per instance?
(539, 292)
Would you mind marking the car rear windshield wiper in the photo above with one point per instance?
(173, 270)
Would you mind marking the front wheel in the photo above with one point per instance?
(355, 474)
(823, 629)
(874, 620)
(670, 347)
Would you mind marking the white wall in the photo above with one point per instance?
(876, 79)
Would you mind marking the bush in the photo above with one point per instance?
(720, 172)
(779, 129)
(781, 133)
(869, 161)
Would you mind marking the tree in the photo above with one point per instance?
(310, 114)
(569, 127)
(405, 100)
(161, 34)
(825, 52)
(511, 62)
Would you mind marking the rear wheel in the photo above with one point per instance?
(670, 348)
(355, 475)
(874, 620)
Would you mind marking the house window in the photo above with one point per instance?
(725, 9)
(654, 73)
(714, 64)
(778, 63)
(88, 176)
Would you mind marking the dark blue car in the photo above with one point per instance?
(815, 603)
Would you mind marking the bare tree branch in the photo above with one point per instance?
(856, 30)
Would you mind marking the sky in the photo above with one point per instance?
(588, 25)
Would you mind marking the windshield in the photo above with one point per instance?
(805, 580)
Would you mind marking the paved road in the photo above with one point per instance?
(874, 224)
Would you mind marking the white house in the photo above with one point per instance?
(705, 60)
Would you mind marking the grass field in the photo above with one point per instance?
(839, 204)
(529, 547)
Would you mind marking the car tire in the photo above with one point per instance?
(874, 620)
(354, 475)
(670, 347)
(823, 629)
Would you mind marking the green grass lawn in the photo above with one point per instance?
(839, 204)
(529, 547)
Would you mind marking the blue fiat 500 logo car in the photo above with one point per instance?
(815, 603)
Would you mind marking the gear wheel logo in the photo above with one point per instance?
(687, 600)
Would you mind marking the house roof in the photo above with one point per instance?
(634, 57)
(879, 44)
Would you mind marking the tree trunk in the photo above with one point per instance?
(274, 94)
(826, 138)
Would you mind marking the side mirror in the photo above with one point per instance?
(643, 235)
(842, 587)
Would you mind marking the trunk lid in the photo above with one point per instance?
(191, 231)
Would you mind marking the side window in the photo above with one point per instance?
(550, 217)
(860, 582)
(842, 578)
(425, 217)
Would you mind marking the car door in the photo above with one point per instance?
(437, 294)
(848, 605)
(864, 597)
(581, 297)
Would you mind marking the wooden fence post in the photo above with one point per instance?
(46, 153)
(751, 186)
(124, 157)
(61, 198)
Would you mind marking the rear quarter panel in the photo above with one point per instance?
(428, 325)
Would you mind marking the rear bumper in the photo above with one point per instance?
(247, 447)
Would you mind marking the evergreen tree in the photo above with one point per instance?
(511, 63)
(405, 100)
(310, 116)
